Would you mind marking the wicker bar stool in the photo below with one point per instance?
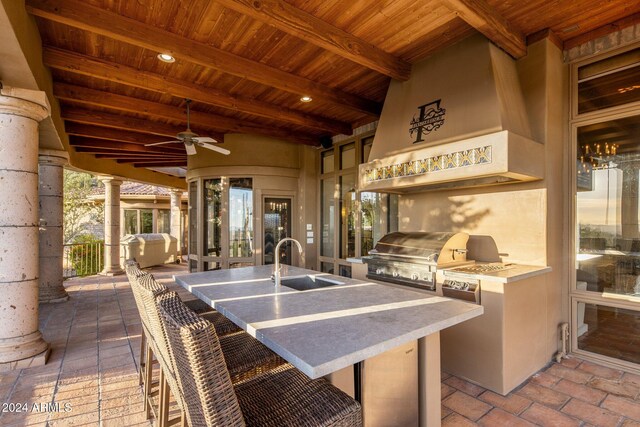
(281, 397)
(148, 347)
(223, 325)
(196, 305)
(132, 269)
(156, 390)
(245, 356)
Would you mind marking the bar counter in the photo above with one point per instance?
(321, 331)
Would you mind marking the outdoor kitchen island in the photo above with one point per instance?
(324, 330)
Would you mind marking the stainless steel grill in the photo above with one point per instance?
(413, 258)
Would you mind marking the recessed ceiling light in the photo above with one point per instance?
(165, 57)
(306, 98)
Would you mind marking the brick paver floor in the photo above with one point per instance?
(91, 377)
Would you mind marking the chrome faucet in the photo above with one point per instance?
(276, 270)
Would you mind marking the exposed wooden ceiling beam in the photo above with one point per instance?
(92, 150)
(127, 30)
(170, 150)
(122, 74)
(139, 156)
(485, 19)
(100, 118)
(159, 164)
(305, 26)
(153, 109)
(110, 134)
(124, 159)
(121, 158)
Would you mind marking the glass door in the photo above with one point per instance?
(606, 294)
(276, 226)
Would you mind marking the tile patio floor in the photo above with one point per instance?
(95, 339)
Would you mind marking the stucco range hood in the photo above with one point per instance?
(459, 121)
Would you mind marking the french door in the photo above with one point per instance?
(605, 290)
(276, 226)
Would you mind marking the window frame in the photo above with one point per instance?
(337, 174)
(584, 296)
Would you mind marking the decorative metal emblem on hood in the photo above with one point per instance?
(430, 118)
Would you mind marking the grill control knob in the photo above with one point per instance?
(395, 274)
(379, 271)
(415, 276)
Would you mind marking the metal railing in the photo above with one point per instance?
(82, 259)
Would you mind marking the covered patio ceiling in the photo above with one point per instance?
(246, 64)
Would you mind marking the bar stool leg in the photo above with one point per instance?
(163, 405)
(148, 373)
(141, 359)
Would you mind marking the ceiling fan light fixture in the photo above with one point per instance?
(191, 139)
(166, 57)
(306, 98)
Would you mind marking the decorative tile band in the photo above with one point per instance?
(459, 159)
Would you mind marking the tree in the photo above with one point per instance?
(80, 213)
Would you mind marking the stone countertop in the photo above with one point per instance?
(323, 330)
(512, 273)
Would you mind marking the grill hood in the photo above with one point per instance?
(459, 121)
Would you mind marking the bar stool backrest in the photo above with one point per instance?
(133, 274)
(151, 291)
(200, 367)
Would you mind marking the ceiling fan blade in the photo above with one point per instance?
(160, 143)
(205, 139)
(191, 149)
(214, 148)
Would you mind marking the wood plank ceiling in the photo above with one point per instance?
(246, 63)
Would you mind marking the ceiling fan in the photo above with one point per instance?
(190, 139)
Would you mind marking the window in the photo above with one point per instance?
(327, 162)
(193, 222)
(130, 221)
(609, 82)
(327, 217)
(608, 206)
(240, 217)
(226, 229)
(379, 213)
(605, 294)
(212, 217)
(164, 221)
(347, 216)
(146, 221)
(348, 156)
(360, 219)
(608, 331)
(139, 221)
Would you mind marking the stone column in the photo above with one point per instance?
(21, 343)
(111, 227)
(50, 173)
(154, 220)
(176, 204)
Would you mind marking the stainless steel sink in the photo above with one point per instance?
(305, 283)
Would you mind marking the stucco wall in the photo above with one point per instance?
(278, 169)
(247, 150)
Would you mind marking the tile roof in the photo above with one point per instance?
(137, 189)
